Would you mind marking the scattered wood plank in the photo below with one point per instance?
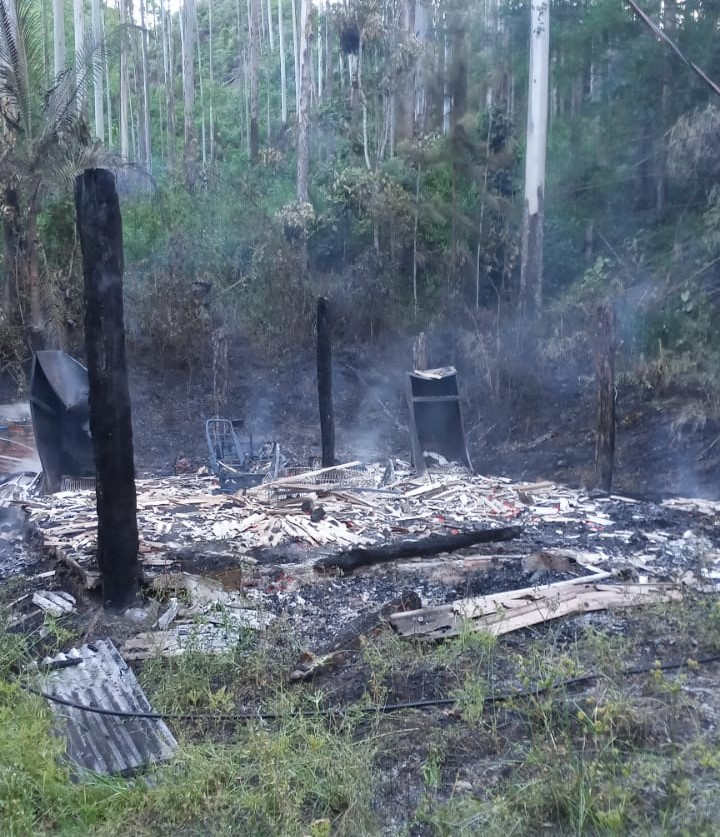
(506, 612)
(54, 602)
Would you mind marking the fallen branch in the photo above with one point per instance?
(352, 559)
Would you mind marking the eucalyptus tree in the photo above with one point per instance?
(537, 115)
(145, 144)
(303, 116)
(254, 45)
(79, 32)
(59, 37)
(283, 71)
(188, 80)
(97, 27)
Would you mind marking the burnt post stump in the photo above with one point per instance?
(324, 377)
(605, 367)
(100, 231)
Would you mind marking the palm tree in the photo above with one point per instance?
(44, 142)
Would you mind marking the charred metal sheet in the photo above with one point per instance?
(96, 675)
(436, 424)
(61, 417)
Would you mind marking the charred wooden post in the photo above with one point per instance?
(324, 376)
(605, 364)
(100, 231)
(220, 370)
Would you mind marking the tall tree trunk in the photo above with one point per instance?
(11, 251)
(98, 70)
(189, 142)
(170, 91)
(328, 58)
(530, 297)
(447, 98)
(59, 37)
(146, 90)
(45, 45)
(38, 320)
(124, 90)
(415, 239)
(211, 91)
(296, 54)
(108, 100)
(669, 22)
(303, 121)
(271, 33)
(254, 36)
(363, 104)
(80, 60)
(100, 231)
(420, 96)
(283, 70)
(203, 132)
(246, 100)
(319, 60)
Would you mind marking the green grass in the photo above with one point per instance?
(635, 756)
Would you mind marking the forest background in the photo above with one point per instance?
(269, 151)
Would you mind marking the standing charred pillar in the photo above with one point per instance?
(100, 230)
(324, 375)
(605, 363)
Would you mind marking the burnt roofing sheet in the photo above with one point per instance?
(104, 743)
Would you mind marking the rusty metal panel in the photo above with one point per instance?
(96, 675)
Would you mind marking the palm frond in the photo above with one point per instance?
(61, 112)
(20, 64)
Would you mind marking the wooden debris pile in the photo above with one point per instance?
(309, 510)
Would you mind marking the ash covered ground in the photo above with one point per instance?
(665, 447)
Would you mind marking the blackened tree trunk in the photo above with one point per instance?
(324, 374)
(100, 231)
(605, 360)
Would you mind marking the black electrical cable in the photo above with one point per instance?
(386, 708)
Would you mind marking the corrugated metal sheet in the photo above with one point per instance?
(104, 743)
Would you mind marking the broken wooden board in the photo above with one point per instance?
(54, 602)
(501, 613)
(97, 676)
(216, 632)
(204, 616)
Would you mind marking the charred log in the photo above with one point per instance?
(353, 559)
(100, 231)
(324, 376)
